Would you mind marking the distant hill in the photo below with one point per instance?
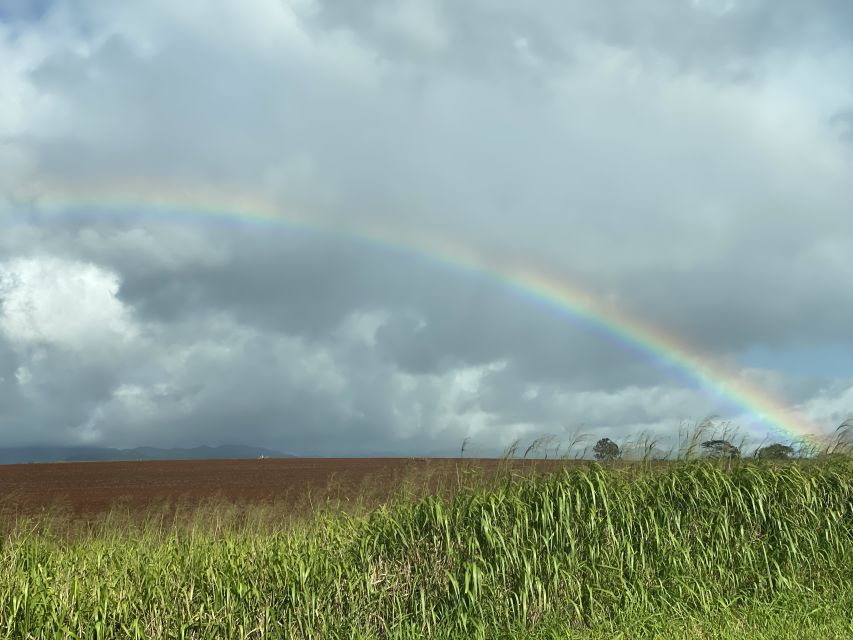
(22, 455)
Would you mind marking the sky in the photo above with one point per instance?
(688, 163)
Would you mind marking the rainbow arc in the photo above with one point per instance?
(535, 285)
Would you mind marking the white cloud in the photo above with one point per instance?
(832, 406)
(48, 301)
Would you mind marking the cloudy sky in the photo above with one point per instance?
(688, 161)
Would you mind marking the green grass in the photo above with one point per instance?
(692, 550)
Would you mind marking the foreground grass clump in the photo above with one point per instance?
(688, 550)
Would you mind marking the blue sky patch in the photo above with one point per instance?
(833, 360)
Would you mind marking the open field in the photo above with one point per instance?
(689, 550)
(86, 490)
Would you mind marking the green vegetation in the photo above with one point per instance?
(699, 549)
(605, 449)
(776, 451)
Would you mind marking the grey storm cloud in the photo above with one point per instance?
(843, 121)
(688, 161)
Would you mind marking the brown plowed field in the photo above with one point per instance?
(88, 489)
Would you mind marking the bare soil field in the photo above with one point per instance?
(84, 490)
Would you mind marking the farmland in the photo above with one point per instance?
(86, 491)
(694, 549)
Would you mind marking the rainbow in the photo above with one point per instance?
(535, 285)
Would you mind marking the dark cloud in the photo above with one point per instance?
(843, 122)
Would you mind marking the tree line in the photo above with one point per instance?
(605, 450)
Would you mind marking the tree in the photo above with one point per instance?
(721, 449)
(606, 449)
(775, 451)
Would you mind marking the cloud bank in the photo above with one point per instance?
(689, 161)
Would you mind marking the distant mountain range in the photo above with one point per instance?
(21, 455)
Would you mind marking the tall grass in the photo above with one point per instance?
(690, 549)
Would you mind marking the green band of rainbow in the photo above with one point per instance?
(556, 293)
